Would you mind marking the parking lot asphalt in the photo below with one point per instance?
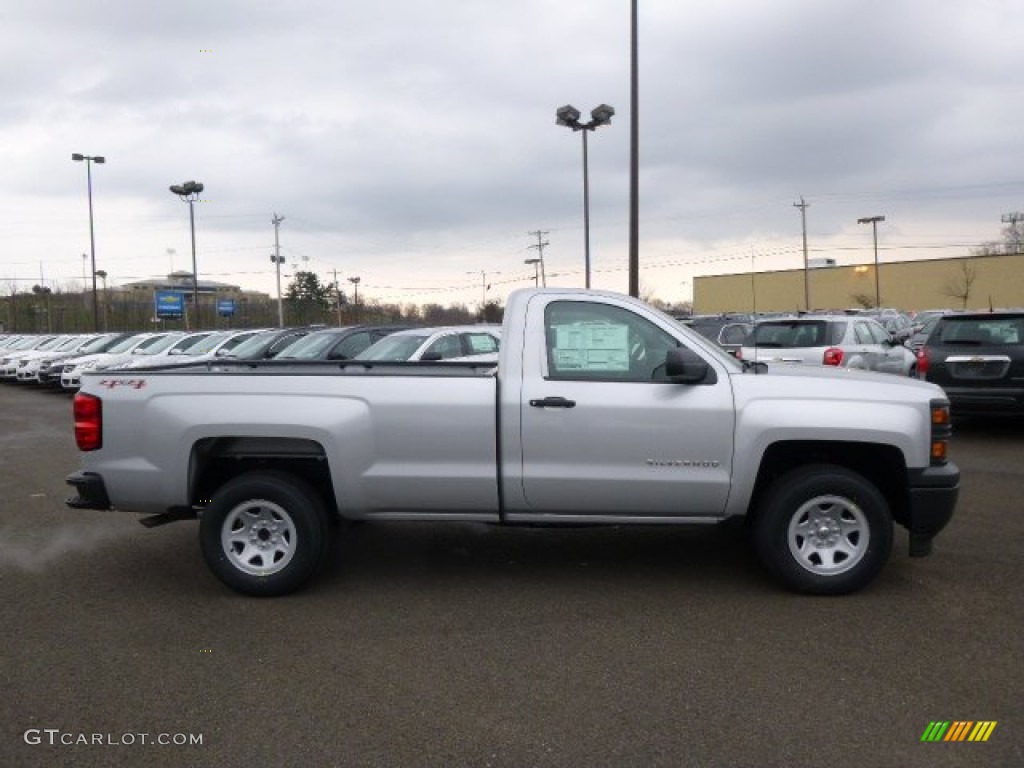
(452, 645)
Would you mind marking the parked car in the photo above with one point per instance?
(434, 344)
(28, 365)
(727, 331)
(836, 340)
(265, 345)
(51, 366)
(978, 359)
(924, 329)
(139, 344)
(342, 343)
(194, 348)
(13, 356)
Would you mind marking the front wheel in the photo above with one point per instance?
(264, 534)
(824, 530)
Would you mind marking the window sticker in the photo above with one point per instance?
(591, 347)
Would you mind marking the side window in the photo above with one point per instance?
(281, 343)
(349, 347)
(862, 334)
(599, 342)
(479, 343)
(878, 333)
(444, 348)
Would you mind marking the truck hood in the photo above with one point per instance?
(819, 382)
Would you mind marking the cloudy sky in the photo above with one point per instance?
(413, 143)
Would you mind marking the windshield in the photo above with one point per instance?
(50, 344)
(207, 344)
(982, 331)
(156, 344)
(309, 347)
(96, 345)
(70, 343)
(254, 346)
(394, 348)
(128, 344)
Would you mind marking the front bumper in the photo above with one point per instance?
(933, 496)
(92, 493)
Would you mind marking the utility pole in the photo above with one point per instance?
(1012, 219)
(634, 156)
(803, 225)
(753, 292)
(278, 261)
(540, 253)
(337, 296)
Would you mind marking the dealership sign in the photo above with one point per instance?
(169, 304)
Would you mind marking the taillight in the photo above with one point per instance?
(88, 411)
(923, 363)
(738, 353)
(833, 356)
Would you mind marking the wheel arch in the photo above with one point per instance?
(883, 465)
(215, 461)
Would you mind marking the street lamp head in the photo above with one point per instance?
(532, 261)
(99, 159)
(870, 219)
(602, 115)
(177, 189)
(568, 116)
(77, 157)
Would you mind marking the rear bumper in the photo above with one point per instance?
(933, 496)
(91, 492)
(980, 400)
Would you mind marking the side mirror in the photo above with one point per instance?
(684, 366)
(430, 357)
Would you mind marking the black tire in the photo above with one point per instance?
(265, 533)
(850, 544)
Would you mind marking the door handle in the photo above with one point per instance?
(553, 402)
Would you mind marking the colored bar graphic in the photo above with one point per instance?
(958, 730)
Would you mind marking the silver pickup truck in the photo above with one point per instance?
(601, 410)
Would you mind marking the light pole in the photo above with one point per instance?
(89, 160)
(277, 259)
(189, 192)
(569, 116)
(873, 221)
(355, 295)
(102, 275)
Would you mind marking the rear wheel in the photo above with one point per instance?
(824, 530)
(264, 534)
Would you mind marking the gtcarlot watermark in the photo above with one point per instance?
(55, 737)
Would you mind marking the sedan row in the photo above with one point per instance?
(63, 359)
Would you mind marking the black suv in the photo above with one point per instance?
(978, 359)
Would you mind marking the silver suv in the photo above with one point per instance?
(840, 341)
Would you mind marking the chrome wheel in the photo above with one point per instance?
(258, 537)
(828, 535)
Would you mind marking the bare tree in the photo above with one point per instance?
(864, 300)
(959, 286)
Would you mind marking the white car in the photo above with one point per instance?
(142, 343)
(13, 357)
(28, 365)
(205, 345)
(435, 344)
(840, 341)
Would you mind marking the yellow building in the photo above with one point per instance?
(972, 282)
